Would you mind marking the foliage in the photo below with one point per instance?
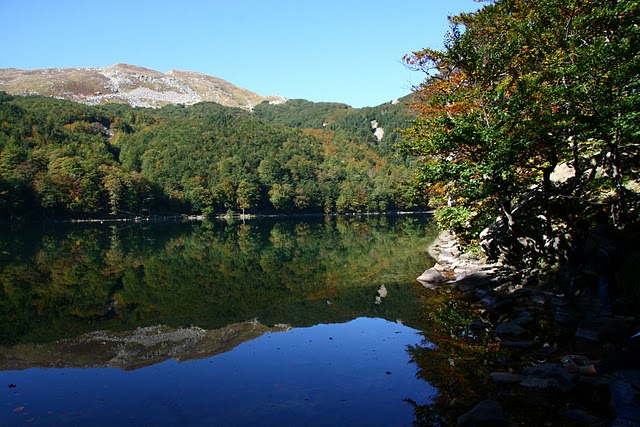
(73, 278)
(454, 360)
(60, 159)
(520, 87)
(341, 118)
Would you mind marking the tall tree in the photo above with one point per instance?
(521, 86)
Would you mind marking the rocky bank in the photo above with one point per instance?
(538, 323)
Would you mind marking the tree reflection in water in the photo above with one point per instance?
(454, 360)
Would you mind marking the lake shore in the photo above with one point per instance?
(536, 326)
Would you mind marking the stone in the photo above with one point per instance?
(504, 305)
(583, 418)
(549, 377)
(475, 280)
(524, 318)
(565, 315)
(490, 299)
(599, 383)
(382, 291)
(506, 378)
(510, 330)
(518, 344)
(431, 278)
(478, 324)
(588, 329)
(485, 413)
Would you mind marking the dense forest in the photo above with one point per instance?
(63, 159)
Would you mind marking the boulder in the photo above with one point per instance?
(431, 278)
(478, 324)
(474, 280)
(505, 378)
(486, 413)
(549, 377)
(524, 318)
(510, 330)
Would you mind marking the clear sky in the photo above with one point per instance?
(334, 50)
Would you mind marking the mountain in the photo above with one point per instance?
(129, 84)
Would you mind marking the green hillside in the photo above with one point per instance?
(63, 159)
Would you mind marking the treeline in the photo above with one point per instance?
(60, 159)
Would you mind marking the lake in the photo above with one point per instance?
(270, 322)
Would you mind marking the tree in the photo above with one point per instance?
(247, 195)
(518, 89)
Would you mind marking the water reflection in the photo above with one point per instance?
(73, 279)
(342, 374)
(212, 323)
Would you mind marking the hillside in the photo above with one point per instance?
(60, 158)
(129, 84)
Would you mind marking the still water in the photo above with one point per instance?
(268, 322)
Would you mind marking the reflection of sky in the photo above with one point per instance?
(357, 373)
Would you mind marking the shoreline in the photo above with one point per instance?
(186, 217)
(535, 326)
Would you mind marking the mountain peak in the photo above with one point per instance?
(131, 84)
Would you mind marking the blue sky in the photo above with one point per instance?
(334, 50)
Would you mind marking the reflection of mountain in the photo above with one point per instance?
(132, 350)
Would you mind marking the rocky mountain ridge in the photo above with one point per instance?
(130, 84)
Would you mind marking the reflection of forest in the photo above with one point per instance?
(72, 279)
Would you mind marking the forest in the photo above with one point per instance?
(60, 159)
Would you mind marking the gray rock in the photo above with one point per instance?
(473, 281)
(490, 299)
(505, 378)
(588, 329)
(485, 413)
(550, 377)
(583, 418)
(518, 344)
(431, 278)
(480, 293)
(504, 305)
(478, 324)
(524, 318)
(510, 330)
(565, 315)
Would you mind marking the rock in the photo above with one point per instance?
(505, 378)
(431, 278)
(490, 299)
(471, 281)
(478, 324)
(588, 329)
(504, 305)
(565, 315)
(382, 291)
(550, 377)
(480, 293)
(524, 318)
(562, 173)
(599, 383)
(510, 330)
(518, 344)
(583, 418)
(485, 413)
